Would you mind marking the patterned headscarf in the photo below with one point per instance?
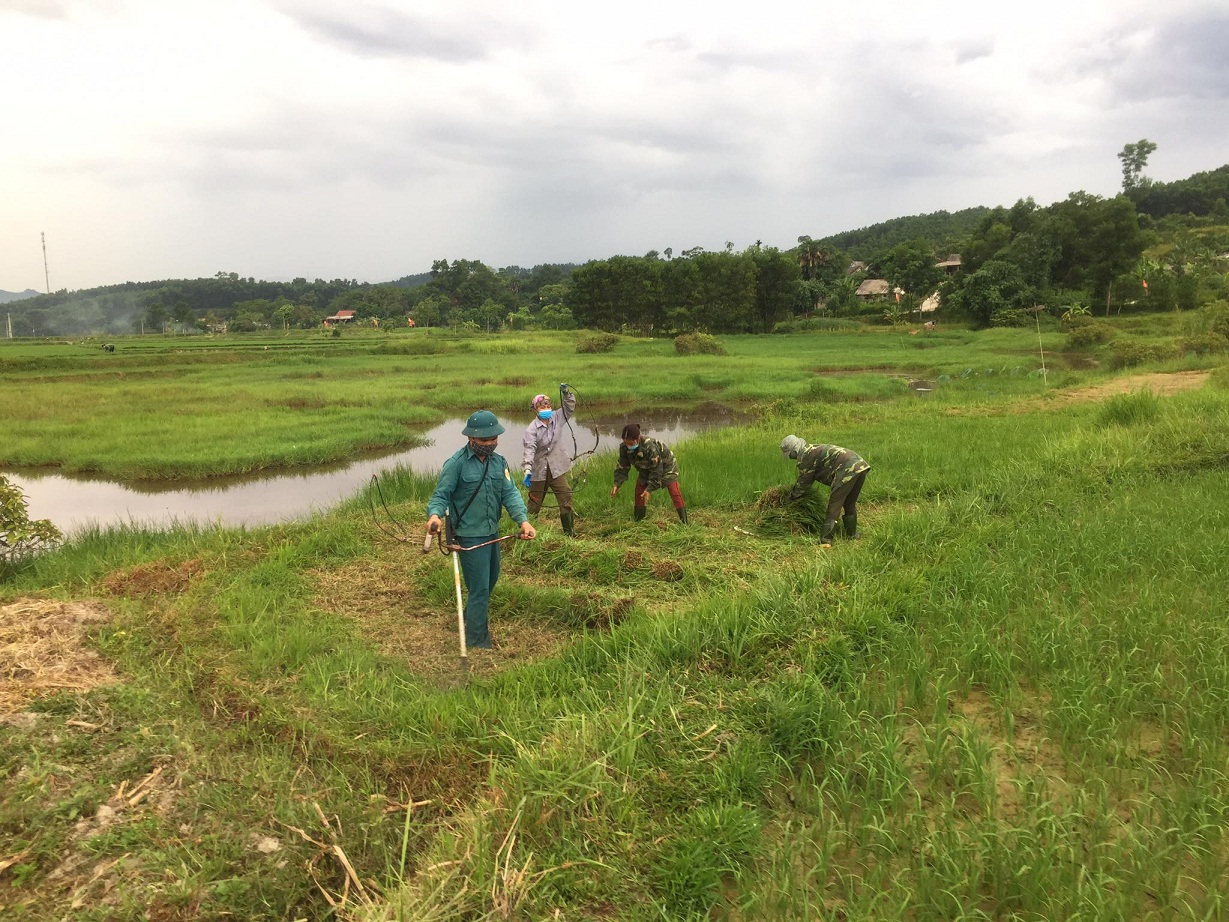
(540, 399)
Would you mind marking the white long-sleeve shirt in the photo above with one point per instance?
(546, 443)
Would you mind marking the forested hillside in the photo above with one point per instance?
(1155, 246)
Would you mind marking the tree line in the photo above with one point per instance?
(1154, 246)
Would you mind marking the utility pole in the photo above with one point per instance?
(10, 326)
(46, 274)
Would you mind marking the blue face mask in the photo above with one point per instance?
(545, 414)
(635, 447)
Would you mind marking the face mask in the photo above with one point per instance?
(545, 414)
(482, 451)
(635, 447)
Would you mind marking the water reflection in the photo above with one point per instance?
(72, 503)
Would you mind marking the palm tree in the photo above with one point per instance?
(811, 256)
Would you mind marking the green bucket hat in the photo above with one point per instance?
(482, 425)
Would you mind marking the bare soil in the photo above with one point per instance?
(1160, 383)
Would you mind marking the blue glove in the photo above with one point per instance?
(527, 481)
(564, 387)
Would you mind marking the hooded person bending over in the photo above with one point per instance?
(655, 468)
(547, 459)
(839, 468)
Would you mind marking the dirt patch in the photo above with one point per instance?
(152, 579)
(1162, 384)
(43, 650)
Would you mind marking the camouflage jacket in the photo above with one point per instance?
(653, 461)
(829, 464)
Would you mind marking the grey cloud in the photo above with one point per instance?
(366, 29)
(973, 50)
(1188, 57)
(768, 61)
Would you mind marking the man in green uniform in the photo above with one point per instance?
(655, 468)
(474, 489)
(840, 469)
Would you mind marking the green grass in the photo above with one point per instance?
(171, 408)
(1007, 701)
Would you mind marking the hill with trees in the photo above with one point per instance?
(1155, 246)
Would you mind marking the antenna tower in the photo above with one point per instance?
(46, 274)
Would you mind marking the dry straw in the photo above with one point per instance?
(43, 650)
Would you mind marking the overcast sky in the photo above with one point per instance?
(364, 139)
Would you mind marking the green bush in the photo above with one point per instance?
(1088, 334)
(1128, 352)
(698, 344)
(1204, 344)
(19, 536)
(596, 342)
(1012, 317)
(1216, 316)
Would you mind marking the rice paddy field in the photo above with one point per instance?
(1007, 701)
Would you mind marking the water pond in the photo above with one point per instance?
(73, 503)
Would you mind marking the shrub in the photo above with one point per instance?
(18, 535)
(596, 342)
(1128, 352)
(1216, 315)
(697, 344)
(1012, 317)
(1204, 344)
(1091, 333)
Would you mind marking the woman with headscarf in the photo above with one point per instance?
(547, 458)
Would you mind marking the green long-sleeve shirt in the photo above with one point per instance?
(462, 478)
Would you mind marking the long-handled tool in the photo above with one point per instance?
(456, 579)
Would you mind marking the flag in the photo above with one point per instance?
(1145, 281)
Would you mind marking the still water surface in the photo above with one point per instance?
(72, 503)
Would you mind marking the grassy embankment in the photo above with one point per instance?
(1008, 701)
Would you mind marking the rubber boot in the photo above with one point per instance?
(639, 512)
(851, 526)
(825, 536)
(682, 511)
(568, 521)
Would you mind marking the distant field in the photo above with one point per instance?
(189, 407)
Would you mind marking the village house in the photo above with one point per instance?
(871, 289)
(339, 317)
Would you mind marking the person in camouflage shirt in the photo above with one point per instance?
(839, 468)
(655, 468)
